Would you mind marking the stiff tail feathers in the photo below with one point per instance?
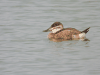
(86, 30)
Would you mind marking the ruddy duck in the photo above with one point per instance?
(58, 32)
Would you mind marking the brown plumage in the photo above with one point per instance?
(67, 33)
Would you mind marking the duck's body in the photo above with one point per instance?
(58, 32)
(68, 34)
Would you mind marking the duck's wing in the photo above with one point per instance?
(66, 33)
(73, 31)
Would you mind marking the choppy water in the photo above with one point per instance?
(25, 49)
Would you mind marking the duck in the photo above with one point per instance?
(59, 32)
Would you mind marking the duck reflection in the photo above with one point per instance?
(60, 40)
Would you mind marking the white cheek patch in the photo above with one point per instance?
(55, 30)
(82, 35)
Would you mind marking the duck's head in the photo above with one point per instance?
(56, 26)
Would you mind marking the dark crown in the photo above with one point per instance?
(56, 24)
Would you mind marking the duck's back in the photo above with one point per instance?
(66, 33)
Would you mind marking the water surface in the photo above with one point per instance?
(26, 50)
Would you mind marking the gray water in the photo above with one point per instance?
(26, 50)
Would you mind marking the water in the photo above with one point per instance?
(26, 50)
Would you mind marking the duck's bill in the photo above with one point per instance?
(46, 30)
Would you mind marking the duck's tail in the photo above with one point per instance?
(82, 34)
(86, 30)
